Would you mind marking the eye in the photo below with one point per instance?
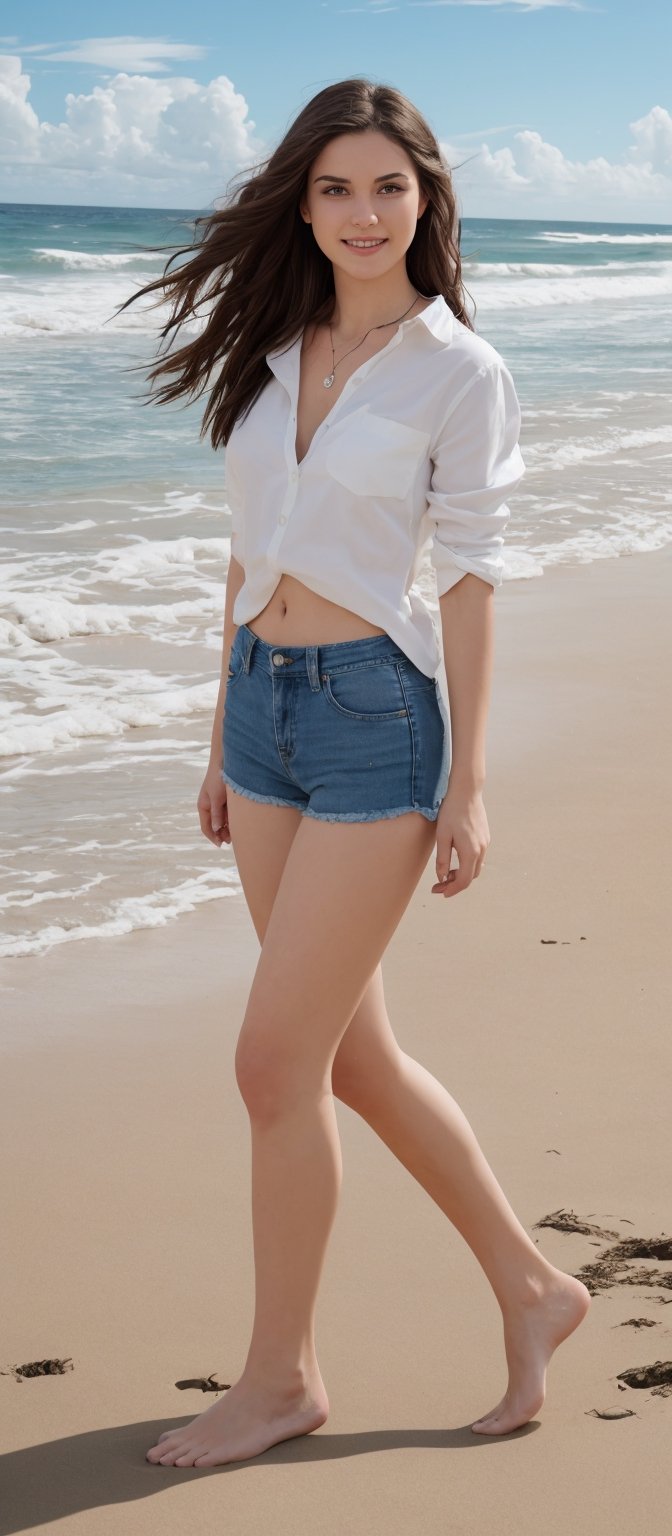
(389, 184)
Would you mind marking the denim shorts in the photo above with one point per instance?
(351, 731)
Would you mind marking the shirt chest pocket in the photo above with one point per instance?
(375, 456)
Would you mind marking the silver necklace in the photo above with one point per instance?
(334, 365)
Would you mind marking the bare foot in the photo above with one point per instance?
(531, 1334)
(245, 1422)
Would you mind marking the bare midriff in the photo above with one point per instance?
(295, 615)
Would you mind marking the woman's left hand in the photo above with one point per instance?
(463, 825)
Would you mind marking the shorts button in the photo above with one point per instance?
(278, 661)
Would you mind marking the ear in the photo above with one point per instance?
(422, 204)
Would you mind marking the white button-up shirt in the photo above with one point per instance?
(415, 459)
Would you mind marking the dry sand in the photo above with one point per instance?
(126, 1226)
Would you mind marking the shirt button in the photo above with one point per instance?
(282, 518)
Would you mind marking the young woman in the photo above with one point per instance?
(366, 424)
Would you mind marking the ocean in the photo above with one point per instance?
(115, 530)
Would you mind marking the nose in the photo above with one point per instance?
(364, 219)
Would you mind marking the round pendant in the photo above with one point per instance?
(328, 381)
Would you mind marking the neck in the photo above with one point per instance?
(361, 305)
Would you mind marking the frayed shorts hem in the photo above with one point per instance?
(261, 799)
(428, 811)
(397, 810)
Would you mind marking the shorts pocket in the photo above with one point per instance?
(371, 691)
(376, 456)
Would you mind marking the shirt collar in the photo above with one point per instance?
(437, 319)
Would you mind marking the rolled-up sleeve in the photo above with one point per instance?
(477, 463)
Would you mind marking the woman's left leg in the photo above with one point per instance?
(343, 891)
(427, 1131)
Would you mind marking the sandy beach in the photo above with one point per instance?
(125, 1146)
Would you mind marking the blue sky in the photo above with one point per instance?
(563, 106)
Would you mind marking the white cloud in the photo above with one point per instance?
(653, 139)
(175, 143)
(144, 55)
(170, 142)
(19, 125)
(532, 178)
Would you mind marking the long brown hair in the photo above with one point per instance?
(259, 270)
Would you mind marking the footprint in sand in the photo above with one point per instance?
(615, 1267)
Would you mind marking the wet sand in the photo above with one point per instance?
(125, 1147)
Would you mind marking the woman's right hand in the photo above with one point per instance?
(212, 807)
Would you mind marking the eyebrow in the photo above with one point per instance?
(387, 177)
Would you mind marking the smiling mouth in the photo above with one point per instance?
(365, 244)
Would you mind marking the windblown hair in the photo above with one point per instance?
(259, 271)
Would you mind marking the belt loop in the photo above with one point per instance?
(313, 667)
